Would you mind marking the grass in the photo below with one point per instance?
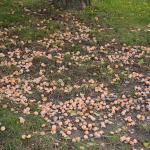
(32, 20)
(11, 137)
(125, 20)
(145, 127)
(113, 139)
(20, 15)
(10, 13)
(32, 34)
(7, 70)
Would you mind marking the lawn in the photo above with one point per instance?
(126, 20)
(74, 80)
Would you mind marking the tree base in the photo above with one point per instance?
(72, 4)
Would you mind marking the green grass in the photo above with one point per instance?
(113, 139)
(145, 127)
(132, 93)
(32, 34)
(11, 137)
(10, 13)
(7, 70)
(13, 14)
(124, 20)
(122, 16)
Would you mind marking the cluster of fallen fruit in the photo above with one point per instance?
(81, 117)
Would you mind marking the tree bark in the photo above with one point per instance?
(72, 4)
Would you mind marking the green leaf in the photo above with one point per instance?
(73, 113)
(141, 61)
(146, 144)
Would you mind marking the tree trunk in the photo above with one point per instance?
(72, 4)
